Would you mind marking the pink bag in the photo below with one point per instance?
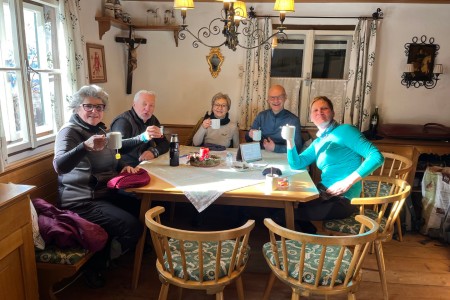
(129, 180)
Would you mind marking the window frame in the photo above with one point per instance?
(34, 142)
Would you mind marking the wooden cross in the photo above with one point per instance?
(132, 44)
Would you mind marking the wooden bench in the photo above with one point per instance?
(38, 171)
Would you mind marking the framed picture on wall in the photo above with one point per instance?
(422, 57)
(96, 63)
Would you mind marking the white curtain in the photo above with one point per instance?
(256, 77)
(292, 87)
(359, 85)
(73, 49)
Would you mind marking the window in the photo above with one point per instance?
(319, 59)
(29, 75)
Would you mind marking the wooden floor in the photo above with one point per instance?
(417, 268)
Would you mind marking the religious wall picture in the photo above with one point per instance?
(96, 63)
(422, 57)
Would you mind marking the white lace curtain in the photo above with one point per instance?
(359, 85)
(256, 76)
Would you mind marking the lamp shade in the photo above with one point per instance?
(274, 42)
(438, 69)
(284, 5)
(409, 68)
(240, 11)
(183, 4)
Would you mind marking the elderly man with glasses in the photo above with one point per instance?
(271, 120)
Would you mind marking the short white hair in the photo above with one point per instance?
(138, 94)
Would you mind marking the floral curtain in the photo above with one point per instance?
(359, 85)
(256, 75)
(73, 49)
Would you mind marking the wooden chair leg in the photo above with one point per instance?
(295, 294)
(399, 229)
(219, 295)
(240, 288)
(269, 286)
(381, 268)
(351, 296)
(180, 293)
(164, 292)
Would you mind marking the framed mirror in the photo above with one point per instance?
(215, 60)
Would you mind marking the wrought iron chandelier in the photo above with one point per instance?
(233, 14)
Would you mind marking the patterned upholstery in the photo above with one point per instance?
(311, 261)
(55, 255)
(192, 259)
(350, 225)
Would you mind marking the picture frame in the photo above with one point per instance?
(422, 57)
(215, 60)
(96, 63)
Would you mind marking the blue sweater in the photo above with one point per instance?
(338, 154)
(270, 125)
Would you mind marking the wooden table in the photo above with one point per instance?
(301, 189)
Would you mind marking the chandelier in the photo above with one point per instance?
(233, 14)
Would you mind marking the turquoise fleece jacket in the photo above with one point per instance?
(339, 154)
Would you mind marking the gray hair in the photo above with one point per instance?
(93, 91)
(141, 92)
(221, 96)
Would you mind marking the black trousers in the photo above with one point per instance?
(118, 214)
(337, 207)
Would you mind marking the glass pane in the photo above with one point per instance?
(287, 58)
(12, 108)
(329, 57)
(39, 22)
(8, 39)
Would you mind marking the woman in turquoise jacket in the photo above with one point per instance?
(343, 155)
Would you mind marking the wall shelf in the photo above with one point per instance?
(104, 25)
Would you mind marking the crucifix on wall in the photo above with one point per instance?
(132, 44)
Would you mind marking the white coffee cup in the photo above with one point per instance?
(271, 183)
(114, 140)
(215, 123)
(256, 135)
(288, 132)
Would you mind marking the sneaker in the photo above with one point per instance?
(94, 279)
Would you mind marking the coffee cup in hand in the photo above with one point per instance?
(114, 140)
(215, 123)
(288, 132)
(256, 135)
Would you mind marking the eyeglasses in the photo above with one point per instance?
(90, 107)
(220, 105)
(279, 97)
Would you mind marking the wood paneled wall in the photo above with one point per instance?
(37, 171)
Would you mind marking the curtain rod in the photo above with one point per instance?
(376, 16)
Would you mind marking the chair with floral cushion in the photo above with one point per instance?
(317, 264)
(395, 166)
(208, 260)
(382, 199)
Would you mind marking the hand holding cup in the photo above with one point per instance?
(288, 132)
(96, 142)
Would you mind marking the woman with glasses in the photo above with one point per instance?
(227, 135)
(84, 165)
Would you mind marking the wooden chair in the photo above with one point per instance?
(317, 264)
(387, 198)
(199, 260)
(395, 166)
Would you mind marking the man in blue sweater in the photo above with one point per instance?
(271, 120)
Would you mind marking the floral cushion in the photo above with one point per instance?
(312, 259)
(209, 257)
(55, 255)
(350, 225)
